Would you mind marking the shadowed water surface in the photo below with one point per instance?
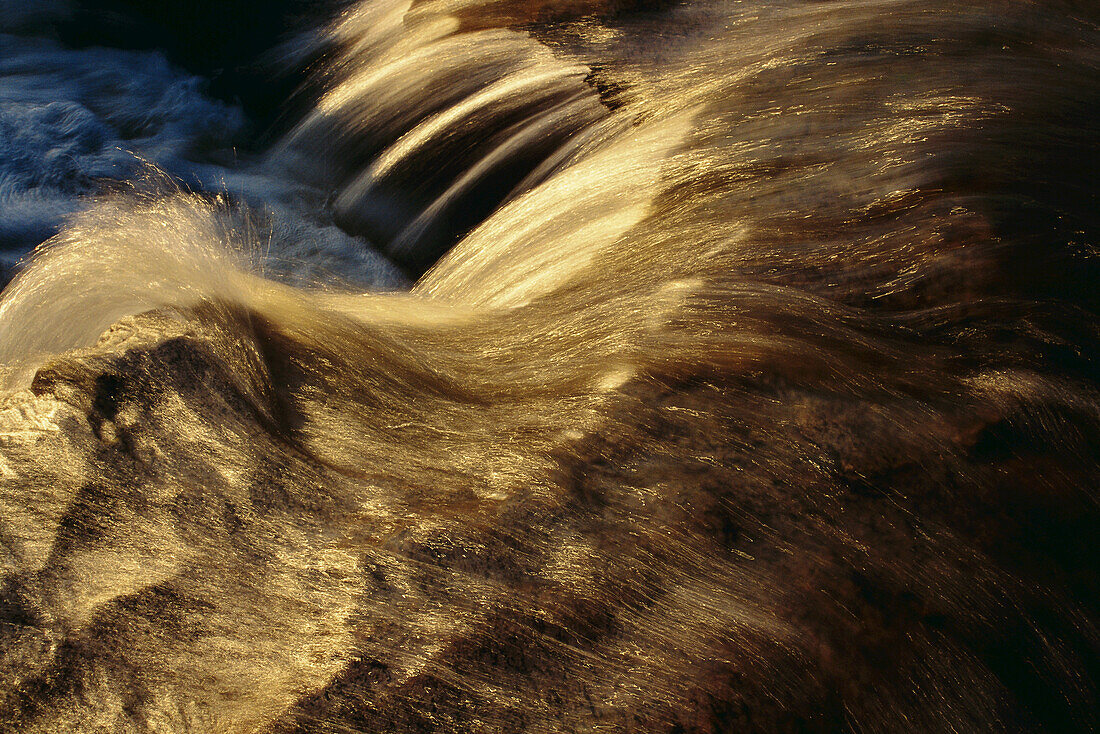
(750, 386)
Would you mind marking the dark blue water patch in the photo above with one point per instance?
(77, 122)
(139, 95)
(72, 121)
(232, 45)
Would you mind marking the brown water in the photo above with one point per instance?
(755, 391)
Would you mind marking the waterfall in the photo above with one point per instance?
(550, 366)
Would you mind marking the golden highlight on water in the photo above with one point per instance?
(748, 384)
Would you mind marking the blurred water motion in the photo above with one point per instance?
(747, 381)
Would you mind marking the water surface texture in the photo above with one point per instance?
(550, 366)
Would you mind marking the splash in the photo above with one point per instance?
(749, 386)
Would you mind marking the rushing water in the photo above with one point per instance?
(78, 122)
(552, 366)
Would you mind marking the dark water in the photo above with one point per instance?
(92, 97)
(744, 376)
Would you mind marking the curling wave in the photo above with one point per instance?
(751, 386)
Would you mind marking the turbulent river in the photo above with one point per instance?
(549, 365)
